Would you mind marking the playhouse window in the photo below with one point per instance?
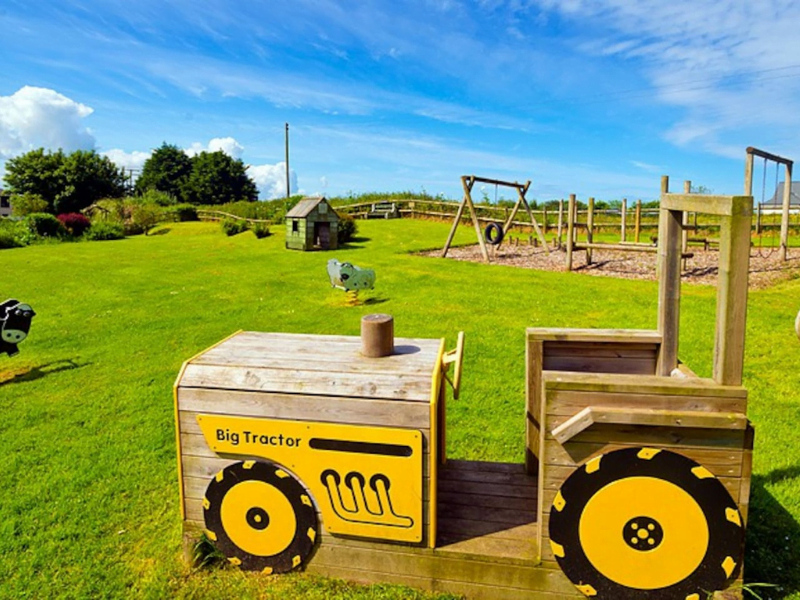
(295, 227)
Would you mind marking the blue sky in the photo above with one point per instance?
(593, 97)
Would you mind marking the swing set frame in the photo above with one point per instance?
(750, 155)
(467, 182)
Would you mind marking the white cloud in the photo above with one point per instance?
(271, 180)
(129, 160)
(227, 144)
(35, 117)
(730, 65)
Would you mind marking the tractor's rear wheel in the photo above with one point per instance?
(646, 523)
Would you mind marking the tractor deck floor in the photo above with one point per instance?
(487, 509)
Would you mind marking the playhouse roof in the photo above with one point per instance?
(305, 206)
(777, 198)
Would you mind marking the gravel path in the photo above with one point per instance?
(766, 268)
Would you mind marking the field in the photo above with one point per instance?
(90, 507)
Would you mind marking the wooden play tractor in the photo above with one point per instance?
(298, 451)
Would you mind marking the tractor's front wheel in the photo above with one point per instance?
(261, 517)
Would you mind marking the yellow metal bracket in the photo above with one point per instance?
(455, 356)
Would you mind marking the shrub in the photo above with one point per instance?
(28, 203)
(232, 227)
(153, 196)
(8, 239)
(145, 216)
(181, 212)
(347, 229)
(261, 230)
(105, 230)
(14, 234)
(75, 223)
(44, 225)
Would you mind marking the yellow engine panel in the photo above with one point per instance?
(366, 480)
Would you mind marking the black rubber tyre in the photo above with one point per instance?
(493, 234)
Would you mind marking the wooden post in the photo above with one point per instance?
(748, 173)
(560, 221)
(734, 262)
(669, 285)
(589, 225)
(637, 225)
(787, 197)
(623, 227)
(570, 229)
(687, 189)
(575, 225)
(544, 220)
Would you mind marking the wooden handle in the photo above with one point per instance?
(646, 416)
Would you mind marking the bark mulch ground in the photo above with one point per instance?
(766, 267)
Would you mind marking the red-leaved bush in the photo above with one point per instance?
(75, 223)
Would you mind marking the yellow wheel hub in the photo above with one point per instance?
(258, 518)
(643, 508)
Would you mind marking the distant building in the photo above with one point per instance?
(5, 204)
(312, 224)
(777, 199)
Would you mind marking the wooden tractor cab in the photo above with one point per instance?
(327, 453)
(644, 467)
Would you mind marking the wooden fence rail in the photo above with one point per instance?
(218, 215)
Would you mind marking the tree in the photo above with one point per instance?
(217, 178)
(167, 170)
(67, 182)
(36, 172)
(87, 177)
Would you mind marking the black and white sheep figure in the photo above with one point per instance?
(15, 323)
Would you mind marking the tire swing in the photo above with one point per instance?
(646, 523)
(260, 517)
(493, 234)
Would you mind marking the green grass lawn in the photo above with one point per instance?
(90, 507)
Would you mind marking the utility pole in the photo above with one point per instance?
(288, 191)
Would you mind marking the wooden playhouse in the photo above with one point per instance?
(298, 451)
(312, 224)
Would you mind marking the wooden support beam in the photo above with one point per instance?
(637, 224)
(514, 184)
(539, 234)
(734, 262)
(709, 205)
(456, 221)
(646, 416)
(467, 183)
(787, 196)
(769, 156)
(669, 288)
(623, 233)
